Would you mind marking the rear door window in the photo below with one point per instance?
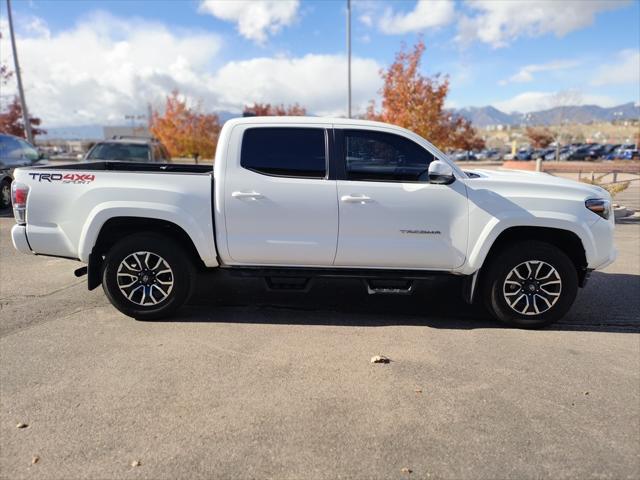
(285, 151)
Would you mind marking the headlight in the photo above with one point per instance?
(599, 206)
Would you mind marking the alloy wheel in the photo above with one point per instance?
(532, 287)
(145, 278)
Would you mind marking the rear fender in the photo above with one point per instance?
(201, 234)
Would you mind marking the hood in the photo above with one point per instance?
(524, 180)
(519, 183)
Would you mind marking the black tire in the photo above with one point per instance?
(5, 193)
(182, 275)
(498, 282)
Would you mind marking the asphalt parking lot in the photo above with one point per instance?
(249, 384)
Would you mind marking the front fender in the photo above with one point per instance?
(201, 234)
(479, 249)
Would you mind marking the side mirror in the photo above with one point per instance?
(441, 173)
(79, 156)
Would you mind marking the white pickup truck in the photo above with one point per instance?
(293, 198)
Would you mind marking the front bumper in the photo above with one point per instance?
(19, 239)
(604, 251)
(613, 254)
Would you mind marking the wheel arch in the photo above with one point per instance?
(566, 240)
(117, 228)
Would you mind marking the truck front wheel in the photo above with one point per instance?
(147, 276)
(530, 285)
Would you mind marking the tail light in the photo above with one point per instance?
(19, 194)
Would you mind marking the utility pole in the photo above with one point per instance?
(348, 58)
(23, 102)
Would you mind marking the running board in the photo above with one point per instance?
(389, 287)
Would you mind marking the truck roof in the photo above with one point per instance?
(310, 120)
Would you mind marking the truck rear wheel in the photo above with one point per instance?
(147, 276)
(530, 285)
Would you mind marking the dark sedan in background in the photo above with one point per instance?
(14, 152)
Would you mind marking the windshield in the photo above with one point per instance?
(15, 151)
(120, 151)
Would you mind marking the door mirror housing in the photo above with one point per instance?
(441, 173)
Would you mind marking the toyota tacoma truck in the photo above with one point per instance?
(294, 198)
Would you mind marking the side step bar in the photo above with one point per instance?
(389, 287)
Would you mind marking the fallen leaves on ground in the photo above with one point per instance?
(379, 359)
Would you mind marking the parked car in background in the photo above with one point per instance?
(630, 154)
(595, 151)
(129, 149)
(543, 152)
(619, 152)
(608, 149)
(580, 153)
(463, 156)
(488, 154)
(563, 152)
(14, 152)
(524, 154)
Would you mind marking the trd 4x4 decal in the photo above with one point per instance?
(79, 178)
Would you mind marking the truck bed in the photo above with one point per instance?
(69, 204)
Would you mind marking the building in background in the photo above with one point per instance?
(138, 131)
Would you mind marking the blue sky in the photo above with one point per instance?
(95, 61)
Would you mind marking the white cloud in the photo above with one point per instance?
(107, 67)
(534, 101)
(426, 14)
(255, 20)
(625, 70)
(498, 22)
(317, 82)
(525, 74)
(366, 19)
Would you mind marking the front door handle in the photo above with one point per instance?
(355, 199)
(246, 195)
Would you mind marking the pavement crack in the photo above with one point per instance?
(42, 295)
(43, 321)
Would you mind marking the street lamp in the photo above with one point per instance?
(23, 102)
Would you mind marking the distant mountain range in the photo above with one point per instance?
(486, 116)
(480, 117)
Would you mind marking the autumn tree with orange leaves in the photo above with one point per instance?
(268, 110)
(539, 137)
(416, 102)
(185, 131)
(12, 122)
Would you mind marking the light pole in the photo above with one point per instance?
(348, 58)
(23, 102)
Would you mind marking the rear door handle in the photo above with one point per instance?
(246, 195)
(355, 199)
